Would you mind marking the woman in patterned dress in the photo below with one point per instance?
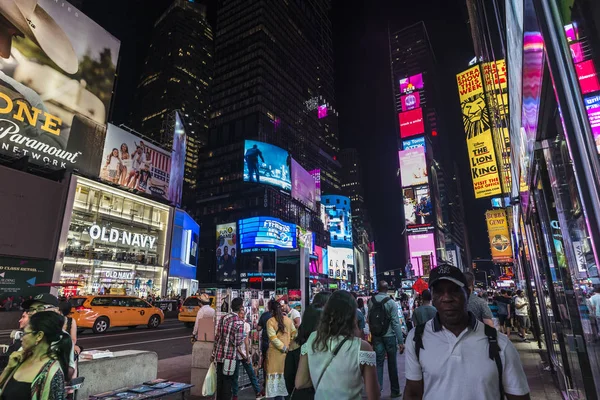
(334, 361)
(281, 332)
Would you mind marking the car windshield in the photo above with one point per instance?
(191, 302)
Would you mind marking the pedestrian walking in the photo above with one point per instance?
(334, 361)
(244, 363)
(426, 311)
(281, 332)
(478, 306)
(310, 322)
(456, 356)
(504, 312)
(229, 336)
(522, 313)
(386, 334)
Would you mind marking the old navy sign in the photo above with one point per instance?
(112, 235)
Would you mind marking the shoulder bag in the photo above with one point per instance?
(337, 349)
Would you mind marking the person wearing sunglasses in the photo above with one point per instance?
(37, 372)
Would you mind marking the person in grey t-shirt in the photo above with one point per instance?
(426, 311)
(477, 305)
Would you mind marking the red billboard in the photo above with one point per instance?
(411, 122)
(588, 78)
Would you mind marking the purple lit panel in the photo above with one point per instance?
(571, 32)
(592, 104)
(322, 111)
(588, 78)
(421, 245)
(577, 52)
(411, 83)
(411, 101)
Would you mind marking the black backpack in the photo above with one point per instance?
(379, 320)
(494, 349)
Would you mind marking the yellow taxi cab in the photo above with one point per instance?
(190, 307)
(102, 312)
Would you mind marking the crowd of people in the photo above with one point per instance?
(41, 360)
(339, 347)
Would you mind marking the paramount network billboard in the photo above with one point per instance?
(266, 232)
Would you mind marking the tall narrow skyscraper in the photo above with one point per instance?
(273, 84)
(177, 75)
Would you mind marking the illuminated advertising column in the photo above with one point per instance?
(340, 253)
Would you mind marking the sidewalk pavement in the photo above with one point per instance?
(541, 383)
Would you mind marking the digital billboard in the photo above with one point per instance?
(56, 81)
(338, 215)
(413, 143)
(572, 32)
(413, 167)
(577, 52)
(422, 252)
(178, 155)
(339, 258)
(267, 164)
(135, 164)
(499, 235)
(266, 232)
(318, 254)
(410, 101)
(316, 173)
(184, 246)
(411, 83)
(588, 78)
(592, 105)
(226, 252)
(304, 187)
(418, 209)
(411, 122)
(495, 75)
(18, 277)
(322, 111)
(480, 145)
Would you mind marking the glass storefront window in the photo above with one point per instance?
(116, 243)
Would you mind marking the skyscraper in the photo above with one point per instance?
(274, 84)
(177, 75)
(427, 171)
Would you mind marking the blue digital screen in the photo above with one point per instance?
(413, 143)
(184, 248)
(267, 164)
(338, 216)
(266, 232)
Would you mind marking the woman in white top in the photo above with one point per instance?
(333, 360)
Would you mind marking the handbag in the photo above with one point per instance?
(337, 349)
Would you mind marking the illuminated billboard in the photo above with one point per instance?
(480, 146)
(588, 78)
(316, 173)
(267, 164)
(413, 143)
(577, 52)
(304, 187)
(410, 101)
(495, 75)
(499, 235)
(136, 164)
(56, 81)
(592, 105)
(411, 83)
(418, 209)
(339, 259)
(422, 253)
(572, 32)
(413, 167)
(178, 155)
(266, 232)
(184, 246)
(338, 215)
(322, 111)
(226, 252)
(411, 122)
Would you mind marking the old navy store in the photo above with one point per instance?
(112, 242)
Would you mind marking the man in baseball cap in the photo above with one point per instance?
(27, 18)
(459, 348)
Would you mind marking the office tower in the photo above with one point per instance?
(352, 179)
(177, 75)
(426, 169)
(273, 84)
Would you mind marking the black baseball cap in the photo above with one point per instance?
(44, 298)
(447, 272)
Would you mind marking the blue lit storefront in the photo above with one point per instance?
(184, 256)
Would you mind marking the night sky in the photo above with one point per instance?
(363, 93)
